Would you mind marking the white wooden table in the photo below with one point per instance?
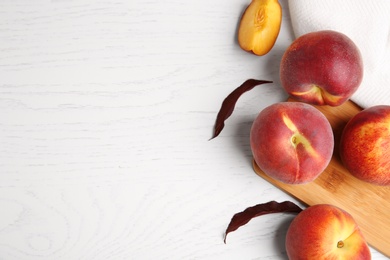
(106, 112)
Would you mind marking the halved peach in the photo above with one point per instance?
(260, 26)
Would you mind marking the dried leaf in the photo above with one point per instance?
(231, 100)
(245, 216)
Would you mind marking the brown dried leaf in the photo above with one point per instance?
(245, 216)
(230, 101)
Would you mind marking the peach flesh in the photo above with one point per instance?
(260, 26)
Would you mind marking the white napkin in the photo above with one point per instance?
(367, 23)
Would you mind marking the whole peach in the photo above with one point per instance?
(322, 68)
(291, 142)
(365, 145)
(325, 231)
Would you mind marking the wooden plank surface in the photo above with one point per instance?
(369, 204)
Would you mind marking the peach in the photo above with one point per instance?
(259, 26)
(322, 68)
(291, 142)
(325, 231)
(365, 145)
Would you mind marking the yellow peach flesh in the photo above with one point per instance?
(260, 26)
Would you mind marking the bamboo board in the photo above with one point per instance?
(368, 204)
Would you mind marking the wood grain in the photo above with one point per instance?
(369, 204)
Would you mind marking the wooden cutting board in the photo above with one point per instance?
(368, 204)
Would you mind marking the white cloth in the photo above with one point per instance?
(367, 23)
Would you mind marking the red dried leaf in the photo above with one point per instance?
(245, 216)
(231, 100)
